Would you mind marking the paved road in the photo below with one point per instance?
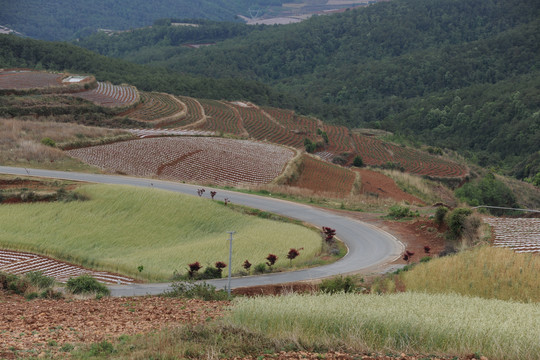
(368, 246)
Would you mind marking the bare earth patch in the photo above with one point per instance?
(29, 328)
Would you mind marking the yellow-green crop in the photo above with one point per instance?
(121, 227)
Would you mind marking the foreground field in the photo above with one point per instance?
(407, 322)
(122, 228)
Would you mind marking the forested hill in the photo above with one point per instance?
(27, 53)
(63, 19)
(453, 73)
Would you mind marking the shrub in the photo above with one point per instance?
(440, 213)
(337, 285)
(37, 279)
(260, 268)
(488, 191)
(246, 265)
(86, 284)
(400, 212)
(193, 268)
(358, 162)
(48, 142)
(193, 290)
(210, 272)
(271, 260)
(456, 221)
(102, 348)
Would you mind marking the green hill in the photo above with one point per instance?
(455, 74)
(65, 19)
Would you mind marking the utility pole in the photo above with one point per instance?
(230, 261)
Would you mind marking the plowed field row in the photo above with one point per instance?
(520, 234)
(109, 95)
(221, 117)
(191, 159)
(155, 106)
(15, 262)
(29, 80)
(320, 176)
(194, 113)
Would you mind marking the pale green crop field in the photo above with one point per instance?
(404, 322)
(121, 228)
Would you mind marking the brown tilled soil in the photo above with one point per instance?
(46, 325)
(381, 185)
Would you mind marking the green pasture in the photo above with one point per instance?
(121, 228)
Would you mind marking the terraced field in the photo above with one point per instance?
(158, 108)
(222, 117)
(16, 262)
(109, 95)
(519, 234)
(322, 177)
(25, 79)
(200, 159)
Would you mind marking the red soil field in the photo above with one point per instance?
(197, 159)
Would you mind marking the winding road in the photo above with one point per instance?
(368, 246)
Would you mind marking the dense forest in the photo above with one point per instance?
(66, 19)
(452, 73)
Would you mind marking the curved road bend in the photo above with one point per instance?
(368, 246)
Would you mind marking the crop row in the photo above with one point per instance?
(194, 113)
(221, 118)
(28, 80)
(155, 106)
(15, 262)
(191, 159)
(320, 176)
(520, 234)
(110, 95)
(261, 127)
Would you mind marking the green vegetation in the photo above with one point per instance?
(66, 19)
(487, 191)
(450, 324)
(193, 290)
(86, 284)
(120, 228)
(400, 212)
(31, 285)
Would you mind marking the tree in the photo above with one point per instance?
(246, 265)
(193, 268)
(358, 162)
(293, 253)
(220, 265)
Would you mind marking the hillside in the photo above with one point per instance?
(452, 74)
(65, 19)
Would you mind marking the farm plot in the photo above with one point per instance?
(261, 127)
(157, 107)
(194, 113)
(198, 159)
(26, 79)
(109, 95)
(221, 117)
(520, 234)
(320, 177)
(16, 262)
(376, 153)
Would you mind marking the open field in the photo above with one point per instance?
(405, 322)
(488, 272)
(121, 228)
(195, 159)
(109, 95)
(519, 234)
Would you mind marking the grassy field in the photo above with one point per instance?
(405, 322)
(121, 228)
(488, 272)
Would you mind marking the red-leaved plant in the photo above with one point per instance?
(193, 268)
(293, 253)
(246, 265)
(271, 260)
(220, 265)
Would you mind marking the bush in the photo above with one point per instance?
(48, 142)
(358, 162)
(399, 212)
(193, 290)
(456, 221)
(102, 348)
(440, 213)
(210, 272)
(337, 285)
(260, 268)
(37, 279)
(86, 284)
(487, 191)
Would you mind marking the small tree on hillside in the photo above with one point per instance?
(220, 265)
(193, 268)
(247, 265)
(293, 253)
(358, 162)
